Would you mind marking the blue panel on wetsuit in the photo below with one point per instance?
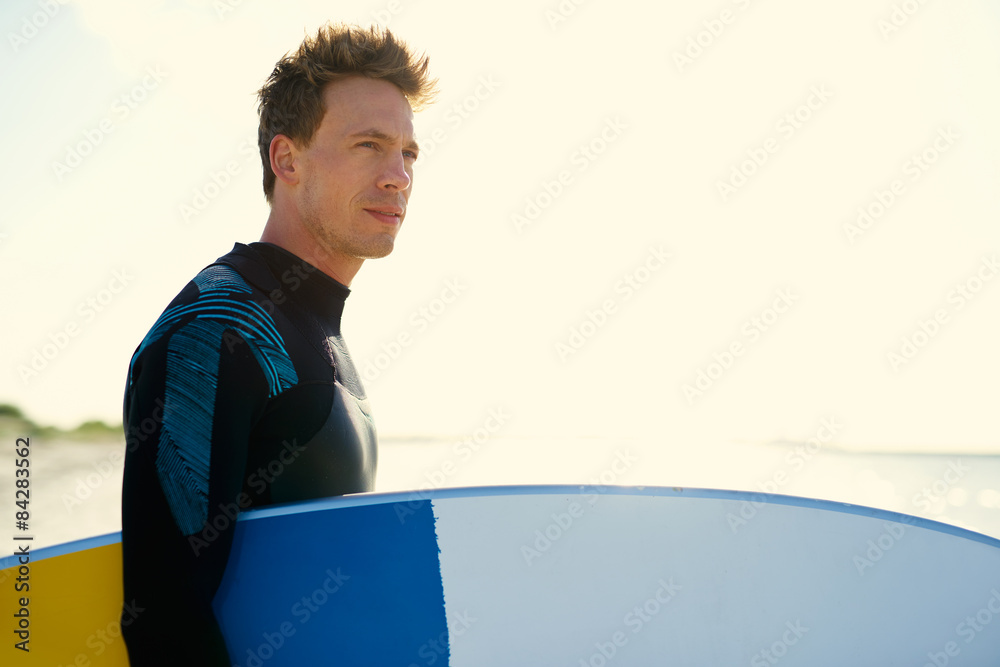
(353, 586)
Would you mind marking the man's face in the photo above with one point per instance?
(357, 172)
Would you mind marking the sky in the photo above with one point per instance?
(684, 222)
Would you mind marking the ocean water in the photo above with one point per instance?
(76, 486)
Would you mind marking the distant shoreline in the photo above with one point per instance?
(14, 422)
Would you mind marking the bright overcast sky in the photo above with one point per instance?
(629, 218)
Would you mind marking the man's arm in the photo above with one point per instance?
(195, 390)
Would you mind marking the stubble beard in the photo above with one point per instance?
(340, 239)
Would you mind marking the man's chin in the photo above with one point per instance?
(381, 247)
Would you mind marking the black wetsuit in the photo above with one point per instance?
(241, 395)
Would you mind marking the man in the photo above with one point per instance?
(243, 393)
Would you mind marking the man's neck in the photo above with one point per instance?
(294, 238)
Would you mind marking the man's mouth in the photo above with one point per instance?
(388, 215)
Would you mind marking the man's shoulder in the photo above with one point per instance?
(240, 275)
(242, 265)
(218, 277)
(231, 292)
(224, 280)
(223, 307)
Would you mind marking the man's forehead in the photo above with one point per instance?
(367, 106)
(361, 94)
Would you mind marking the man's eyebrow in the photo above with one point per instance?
(375, 133)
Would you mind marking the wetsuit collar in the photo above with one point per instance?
(278, 269)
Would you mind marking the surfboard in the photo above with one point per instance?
(546, 575)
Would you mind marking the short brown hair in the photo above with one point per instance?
(291, 100)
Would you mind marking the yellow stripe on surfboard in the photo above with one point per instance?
(74, 607)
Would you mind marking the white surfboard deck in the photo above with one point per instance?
(566, 575)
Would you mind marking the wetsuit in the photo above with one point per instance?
(241, 395)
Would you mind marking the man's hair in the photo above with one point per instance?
(291, 100)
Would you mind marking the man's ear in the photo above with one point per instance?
(284, 154)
